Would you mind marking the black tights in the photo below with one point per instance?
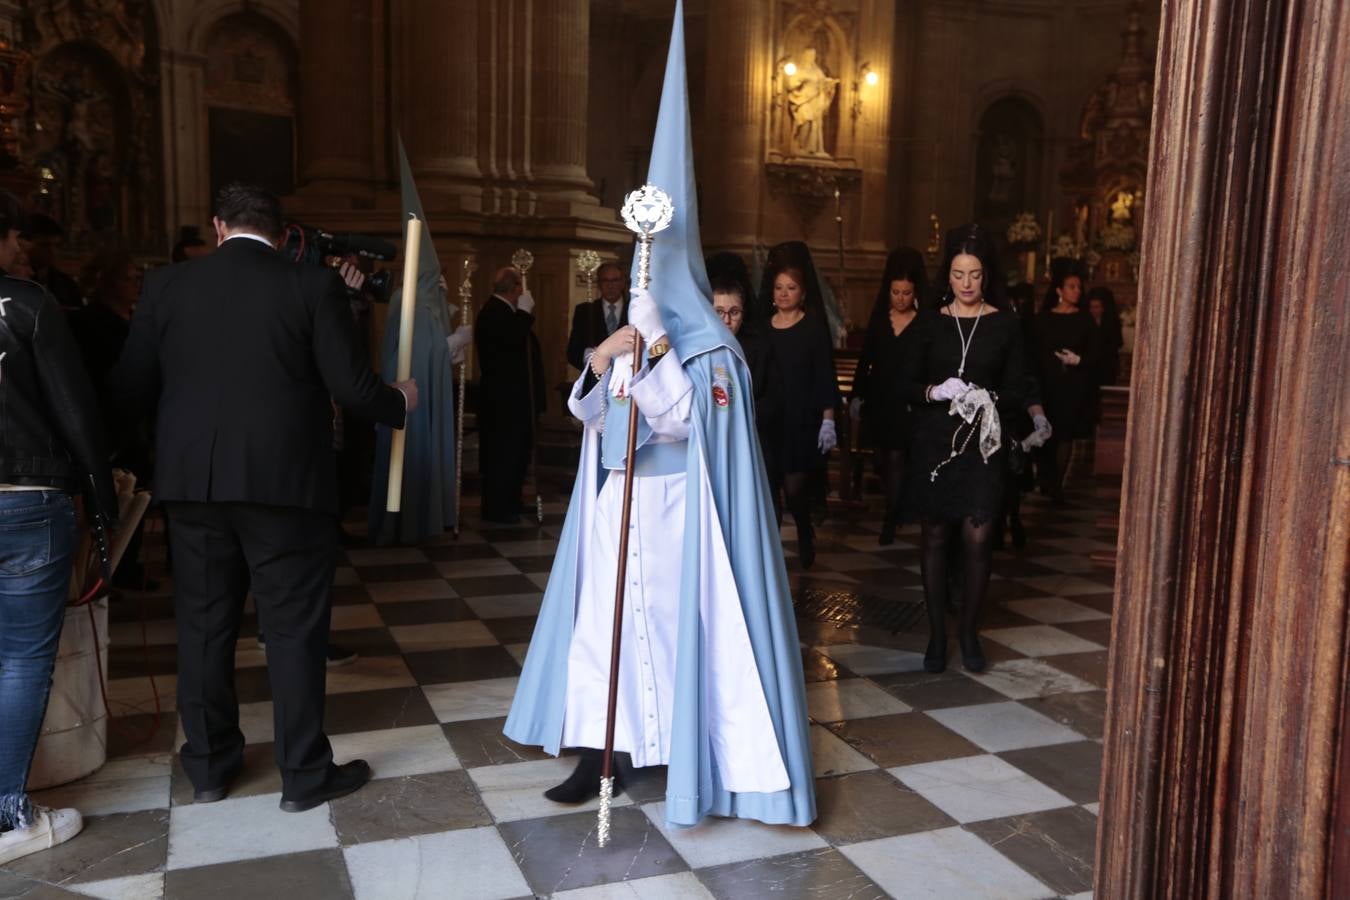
(976, 554)
(793, 490)
(1052, 464)
(891, 468)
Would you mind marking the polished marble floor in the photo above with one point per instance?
(951, 786)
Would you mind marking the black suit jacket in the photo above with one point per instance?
(508, 353)
(588, 329)
(245, 352)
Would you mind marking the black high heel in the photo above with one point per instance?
(972, 654)
(935, 657)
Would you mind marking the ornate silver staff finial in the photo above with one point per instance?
(589, 263)
(647, 211)
(522, 259)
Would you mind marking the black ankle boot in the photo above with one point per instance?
(806, 546)
(972, 654)
(584, 782)
(935, 657)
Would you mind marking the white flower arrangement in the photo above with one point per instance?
(1092, 258)
(1117, 236)
(1065, 247)
(1024, 230)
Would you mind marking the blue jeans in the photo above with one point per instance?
(37, 550)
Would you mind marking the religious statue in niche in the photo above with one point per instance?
(1122, 208)
(1003, 169)
(811, 93)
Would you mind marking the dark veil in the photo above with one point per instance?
(728, 266)
(903, 264)
(790, 255)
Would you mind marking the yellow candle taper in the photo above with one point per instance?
(412, 244)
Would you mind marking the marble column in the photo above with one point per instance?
(435, 76)
(560, 61)
(337, 95)
(187, 154)
(731, 174)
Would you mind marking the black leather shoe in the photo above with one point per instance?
(972, 654)
(935, 657)
(341, 781)
(584, 782)
(216, 794)
(887, 536)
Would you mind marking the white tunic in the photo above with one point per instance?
(740, 727)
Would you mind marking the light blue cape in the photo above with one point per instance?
(725, 469)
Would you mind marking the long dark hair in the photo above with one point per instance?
(793, 257)
(1061, 270)
(974, 240)
(1111, 327)
(904, 264)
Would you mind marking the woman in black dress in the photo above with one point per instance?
(804, 392)
(968, 353)
(883, 406)
(1065, 362)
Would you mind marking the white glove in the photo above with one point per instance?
(525, 302)
(644, 316)
(1068, 357)
(457, 340)
(827, 440)
(1042, 433)
(948, 390)
(855, 408)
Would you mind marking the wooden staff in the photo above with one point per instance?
(412, 246)
(523, 259)
(465, 313)
(646, 211)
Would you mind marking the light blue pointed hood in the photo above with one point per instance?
(429, 292)
(679, 279)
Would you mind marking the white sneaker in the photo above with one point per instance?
(49, 828)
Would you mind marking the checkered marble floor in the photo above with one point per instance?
(952, 785)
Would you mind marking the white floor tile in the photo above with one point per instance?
(505, 605)
(247, 828)
(476, 568)
(1086, 895)
(442, 636)
(132, 887)
(108, 796)
(831, 755)
(540, 579)
(1040, 640)
(850, 698)
(255, 721)
(941, 865)
(397, 591)
(715, 841)
(681, 886)
(868, 660)
(516, 791)
(398, 751)
(1052, 610)
(1064, 585)
(975, 788)
(370, 673)
(464, 700)
(996, 727)
(356, 615)
(517, 651)
(1094, 808)
(469, 863)
(1022, 679)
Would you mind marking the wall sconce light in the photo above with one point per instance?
(789, 68)
(865, 75)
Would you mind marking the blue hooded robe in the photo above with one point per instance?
(725, 473)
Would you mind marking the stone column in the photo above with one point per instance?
(337, 91)
(435, 76)
(559, 59)
(187, 153)
(730, 153)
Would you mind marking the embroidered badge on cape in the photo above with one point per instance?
(721, 388)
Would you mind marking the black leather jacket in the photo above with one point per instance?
(51, 430)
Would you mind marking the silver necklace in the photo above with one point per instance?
(966, 341)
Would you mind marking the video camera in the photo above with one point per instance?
(307, 244)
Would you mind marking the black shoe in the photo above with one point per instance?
(341, 781)
(340, 656)
(216, 794)
(806, 549)
(584, 782)
(972, 654)
(887, 534)
(935, 657)
(1019, 534)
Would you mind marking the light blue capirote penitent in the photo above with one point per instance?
(428, 506)
(725, 469)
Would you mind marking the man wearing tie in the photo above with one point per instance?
(597, 319)
(242, 352)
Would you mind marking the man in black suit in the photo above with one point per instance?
(508, 400)
(597, 319)
(41, 237)
(242, 350)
